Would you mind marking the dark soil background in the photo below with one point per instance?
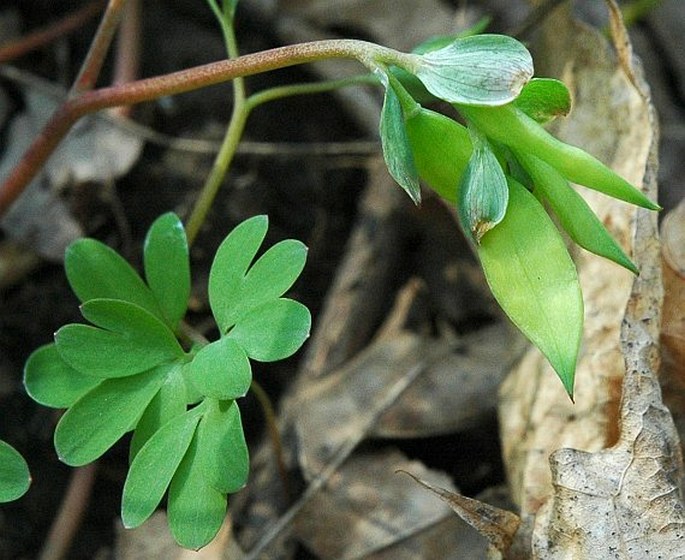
(314, 198)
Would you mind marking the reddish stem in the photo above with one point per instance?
(90, 69)
(41, 37)
(171, 84)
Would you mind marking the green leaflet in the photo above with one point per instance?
(130, 341)
(535, 282)
(395, 143)
(195, 509)
(268, 278)
(441, 147)
(574, 214)
(167, 267)
(224, 456)
(486, 70)
(232, 259)
(483, 192)
(544, 99)
(14, 473)
(96, 271)
(273, 331)
(51, 382)
(515, 129)
(98, 419)
(169, 402)
(220, 370)
(154, 466)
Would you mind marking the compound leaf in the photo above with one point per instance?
(274, 330)
(220, 370)
(167, 266)
(477, 70)
(130, 341)
(14, 473)
(232, 259)
(534, 280)
(96, 421)
(51, 382)
(154, 466)
(195, 509)
(95, 271)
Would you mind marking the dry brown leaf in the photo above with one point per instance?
(497, 525)
(366, 507)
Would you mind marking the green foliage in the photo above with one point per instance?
(129, 371)
(488, 80)
(14, 473)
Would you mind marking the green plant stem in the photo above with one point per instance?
(229, 145)
(180, 82)
(280, 92)
(90, 69)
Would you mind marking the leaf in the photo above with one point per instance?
(512, 127)
(134, 342)
(544, 99)
(14, 473)
(154, 466)
(195, 509)
(167, 266)
(224, 457)
(534, 279)
(483, 192)
(269, 277)
(442, 148)
(51, 382)
(497, 525)
(220, 370)
(576, 217)
(230, 265)
(96, 271)
(395, 143)
(477, 70)
(273, 331)
(96, 421)
(169, 402)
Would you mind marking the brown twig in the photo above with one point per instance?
(127, 57)
(41, 37)
(69, 517)
(90, 69)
